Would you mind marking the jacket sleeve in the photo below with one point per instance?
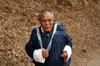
(68, 47)
(68, 43)
(29, 46)
(68, 40)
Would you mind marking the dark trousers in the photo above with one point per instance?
(68, 62)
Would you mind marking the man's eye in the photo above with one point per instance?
(44, 21)
(50, 20)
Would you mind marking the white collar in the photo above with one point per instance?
(39, 37)
(42, 29)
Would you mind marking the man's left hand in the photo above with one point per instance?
(64, 55)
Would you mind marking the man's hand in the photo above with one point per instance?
(64, 55)
(45, 53)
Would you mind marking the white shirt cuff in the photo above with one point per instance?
(68, 50)
(37, 55)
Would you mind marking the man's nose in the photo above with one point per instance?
(47, 22)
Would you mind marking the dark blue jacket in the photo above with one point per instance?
(60, 39)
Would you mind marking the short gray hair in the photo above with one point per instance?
(45, 10)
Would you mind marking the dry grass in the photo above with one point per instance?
(81, 20)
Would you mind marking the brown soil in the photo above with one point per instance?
(81, 19)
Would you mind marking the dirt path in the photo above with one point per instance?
(96, 60)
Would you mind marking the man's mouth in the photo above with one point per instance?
(47, 27)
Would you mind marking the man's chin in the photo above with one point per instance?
(47, 31)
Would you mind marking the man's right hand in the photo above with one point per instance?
(45, 53)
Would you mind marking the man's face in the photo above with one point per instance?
(46, 21)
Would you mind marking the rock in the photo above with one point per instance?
(84, 50)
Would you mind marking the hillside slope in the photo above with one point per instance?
(81, 20)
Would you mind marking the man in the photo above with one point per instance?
(49, 44)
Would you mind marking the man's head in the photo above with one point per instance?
(46, 20)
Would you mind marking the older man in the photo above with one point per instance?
(49, 44)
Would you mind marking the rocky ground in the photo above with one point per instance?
(81, 19)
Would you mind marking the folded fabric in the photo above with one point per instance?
(68, 50)
(37, 55)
